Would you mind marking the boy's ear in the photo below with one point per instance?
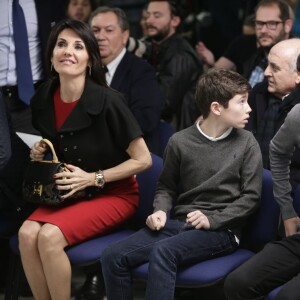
(215, 108)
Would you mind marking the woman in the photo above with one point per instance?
(92, 130)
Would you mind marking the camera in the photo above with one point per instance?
(139, 47)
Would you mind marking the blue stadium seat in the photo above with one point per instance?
(261, 228)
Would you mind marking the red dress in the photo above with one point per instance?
(83, 220)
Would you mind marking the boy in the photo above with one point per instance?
(210, 184)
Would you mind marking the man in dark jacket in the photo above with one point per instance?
(271, 100)
(176, 62)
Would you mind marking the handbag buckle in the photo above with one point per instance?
(38, 189)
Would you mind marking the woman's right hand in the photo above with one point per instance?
(38, 150)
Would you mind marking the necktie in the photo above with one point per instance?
(105, 69)
(23, 66)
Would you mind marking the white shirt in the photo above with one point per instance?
(8, 74)
(223, 136)
(112, 66)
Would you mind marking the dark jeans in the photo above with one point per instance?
(277, 264)
(175, 245)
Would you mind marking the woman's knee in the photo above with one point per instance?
(28, 234)
(51, 239)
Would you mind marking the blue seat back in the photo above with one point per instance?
(147, 185)
(165, 132)
(262, 227)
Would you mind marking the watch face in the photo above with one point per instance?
(99, 180)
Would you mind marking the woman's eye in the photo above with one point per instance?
(78, 47)
(60, 44)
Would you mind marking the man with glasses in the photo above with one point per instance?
(248, 54)
(272, 25)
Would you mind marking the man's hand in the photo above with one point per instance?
(290, 226)
(157, 220)
(198, 220)
(205, 54)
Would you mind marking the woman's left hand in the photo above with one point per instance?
(73, 179)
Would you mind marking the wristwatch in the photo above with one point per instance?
(99, 179)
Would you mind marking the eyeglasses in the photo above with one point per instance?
(272, 25)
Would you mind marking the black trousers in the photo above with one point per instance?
(277, 264)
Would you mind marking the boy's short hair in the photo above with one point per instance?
(219, 86)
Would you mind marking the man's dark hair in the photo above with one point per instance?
(175, 9)
(282, 5)
(121, 16)
(219, 86)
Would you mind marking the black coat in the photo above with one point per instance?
(177, 68)
(97, 132)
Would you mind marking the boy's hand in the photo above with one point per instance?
(157, 220)
(198, 220)
(290, 226)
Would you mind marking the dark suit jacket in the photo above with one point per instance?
(136, 80)
(14, 158)
(258, 101)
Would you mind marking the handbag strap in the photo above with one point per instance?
(54, 156)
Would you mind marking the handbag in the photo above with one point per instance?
(39, 185)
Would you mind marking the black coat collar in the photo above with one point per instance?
(90, 103)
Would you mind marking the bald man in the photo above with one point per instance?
(272, 99)
(279, 262)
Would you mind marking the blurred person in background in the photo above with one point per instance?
(273, 23)
(174, 59)
(80, 9)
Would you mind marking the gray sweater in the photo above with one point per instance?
(281, 150)
(222, 179)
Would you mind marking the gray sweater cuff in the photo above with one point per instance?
(288, 212)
